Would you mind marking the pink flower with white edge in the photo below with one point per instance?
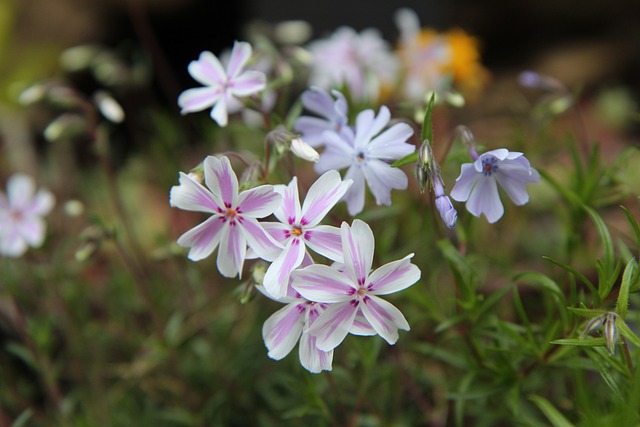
(354, 292)
(284, 328)
(21, 212)
(233, 223)
(299, 229)
(223, 86)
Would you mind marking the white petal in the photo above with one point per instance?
(465, 183)
(221, 180)
(333, 325)
(355, 195)
(282, 330)
(259, 240)
(382, 178)
(207, 70)
(203, 239)
(198, 99)
(231, 253)
(20, 189)
(276, 280)
(385, 318)
(192, 196)
(394, 276)
(485, 200)
(311, 358)
(325, 240)
(322, 196)
(358, 246)
(322, 283)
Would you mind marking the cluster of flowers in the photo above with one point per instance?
(324, 303)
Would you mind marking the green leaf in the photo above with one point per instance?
(409, 158)
(427, 123)
(578, 342)
(552, 414)
(608, 257)
(580, 276)
(634, 225)
(627, 333)
(586, 312)
(622, 303)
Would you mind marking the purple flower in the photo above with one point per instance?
(222, 87)
(353, 293)
(298, 228)
(233, 224)
(21, 212)
(365, 153)
(477, 183)
(282, 330)
(333, 115)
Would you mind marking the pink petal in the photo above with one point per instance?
(322, 196)
(207, 70)
(198, 99)
(219, 112)
(325, 240)
(248, 83)
(394, 276)
(192, 196)
(20, 189)
(282, 330)
(384, 317)
(280, 232)
(261, 242)
(358, 246)
(258, 202)
(313, 359)
(276, 280)
(203, 239)
(12, 244)
(221, 180)
(32, 229)
(231, 254)
(322, 283)
(41, 204)
(240, 54)
(361, 326)
(333, 325)
(289, 211)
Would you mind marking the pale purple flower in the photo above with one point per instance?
(366, 152)
(361, 61)
(333, 115)
(428, 171)
(478, 182)
(355, 291)
(223, 86)
(299, 229)
(21, 212)
(233, 223)
(284, 328)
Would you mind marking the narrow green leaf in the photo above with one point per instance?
(580, 276)
(409, 158)
(634, 225)
(626, 332)
(608, 256)
(553, 415)
(586, 312)
(622, 303)
(544, 281)
(427, 123)
(578, 342)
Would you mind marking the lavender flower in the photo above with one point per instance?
(477, 183)
(233, 223)
(333, 115)
(222, 86)
(365, 153)
(21, 212)
(353, 293)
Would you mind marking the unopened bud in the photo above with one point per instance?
(109, 107)
(611, 334)
(66, 126)
(304, 150)
(32, 94)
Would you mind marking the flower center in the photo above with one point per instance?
(489, 165)
(16, 215)
(296, 231)
(360, 158)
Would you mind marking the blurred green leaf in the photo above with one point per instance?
(553, 415)
(622, 303)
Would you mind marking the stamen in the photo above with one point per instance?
(296, 231)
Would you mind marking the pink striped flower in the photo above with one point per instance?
(299, 229)
(353, 292)
(223, 86)
(233, 223)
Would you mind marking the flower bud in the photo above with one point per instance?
(304, 150)
(611, 334)
(109, 107)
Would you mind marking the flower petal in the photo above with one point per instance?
(361, 326)
(313, 359)
(198, 99)
(384, 317)
(192, 196)
(465, 183)
(219, 112)
(240, 54)
(12, 244)
(231, 254)
(325, 240)
(207, 70)
(322, 196)
(258, 202)
(382, 178)
(41, 204)
(221, 180)
(259, 240)
(355, 195)
(276, 279)
(248, 83)
(394, 276)
(322, 283)
(391, 144)
(513, 179)
(289, 211)
(484, 199)
(358, 246)
(20, 189)
(282, 330)
(333, 325)
(203, 239)
(32, 229)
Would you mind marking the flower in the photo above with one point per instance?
(222, 87)
(361, 61)
(233, 223)
(365, 152)
(21, 212)
(355, 290)
(298, 228)
(282, 330)
(333, 115)
(428, 170)
(477, 183)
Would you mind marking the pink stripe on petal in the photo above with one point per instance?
(282, 330)
(219, 112)
(207, 70)
(311, 358)
(325, 240)
(358, 246)
(322, 283)
(333, 325)
(258, 202)
(259, 240)
(198, 99)
(394, 276)
(231, 254)
(248, 83)
(322, 196)
(240, 54)
(41, 204)
(276, 279)
(289, 211)
(361, 326)
(221, 180)
(192, 196)
(203, 239)
(384, 317)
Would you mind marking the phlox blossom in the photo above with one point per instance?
(233, 223)
(333, 115)
(354, 292)
(478, 182)
(21, 212)
(365, 152)
(223, 86)
(299, 228)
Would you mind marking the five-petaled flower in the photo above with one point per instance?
(222, 87)
(233, 223)
(478, 182)
(354, 291)
(299, 228)
(366, 152)
(21, 212)
(333, 115)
